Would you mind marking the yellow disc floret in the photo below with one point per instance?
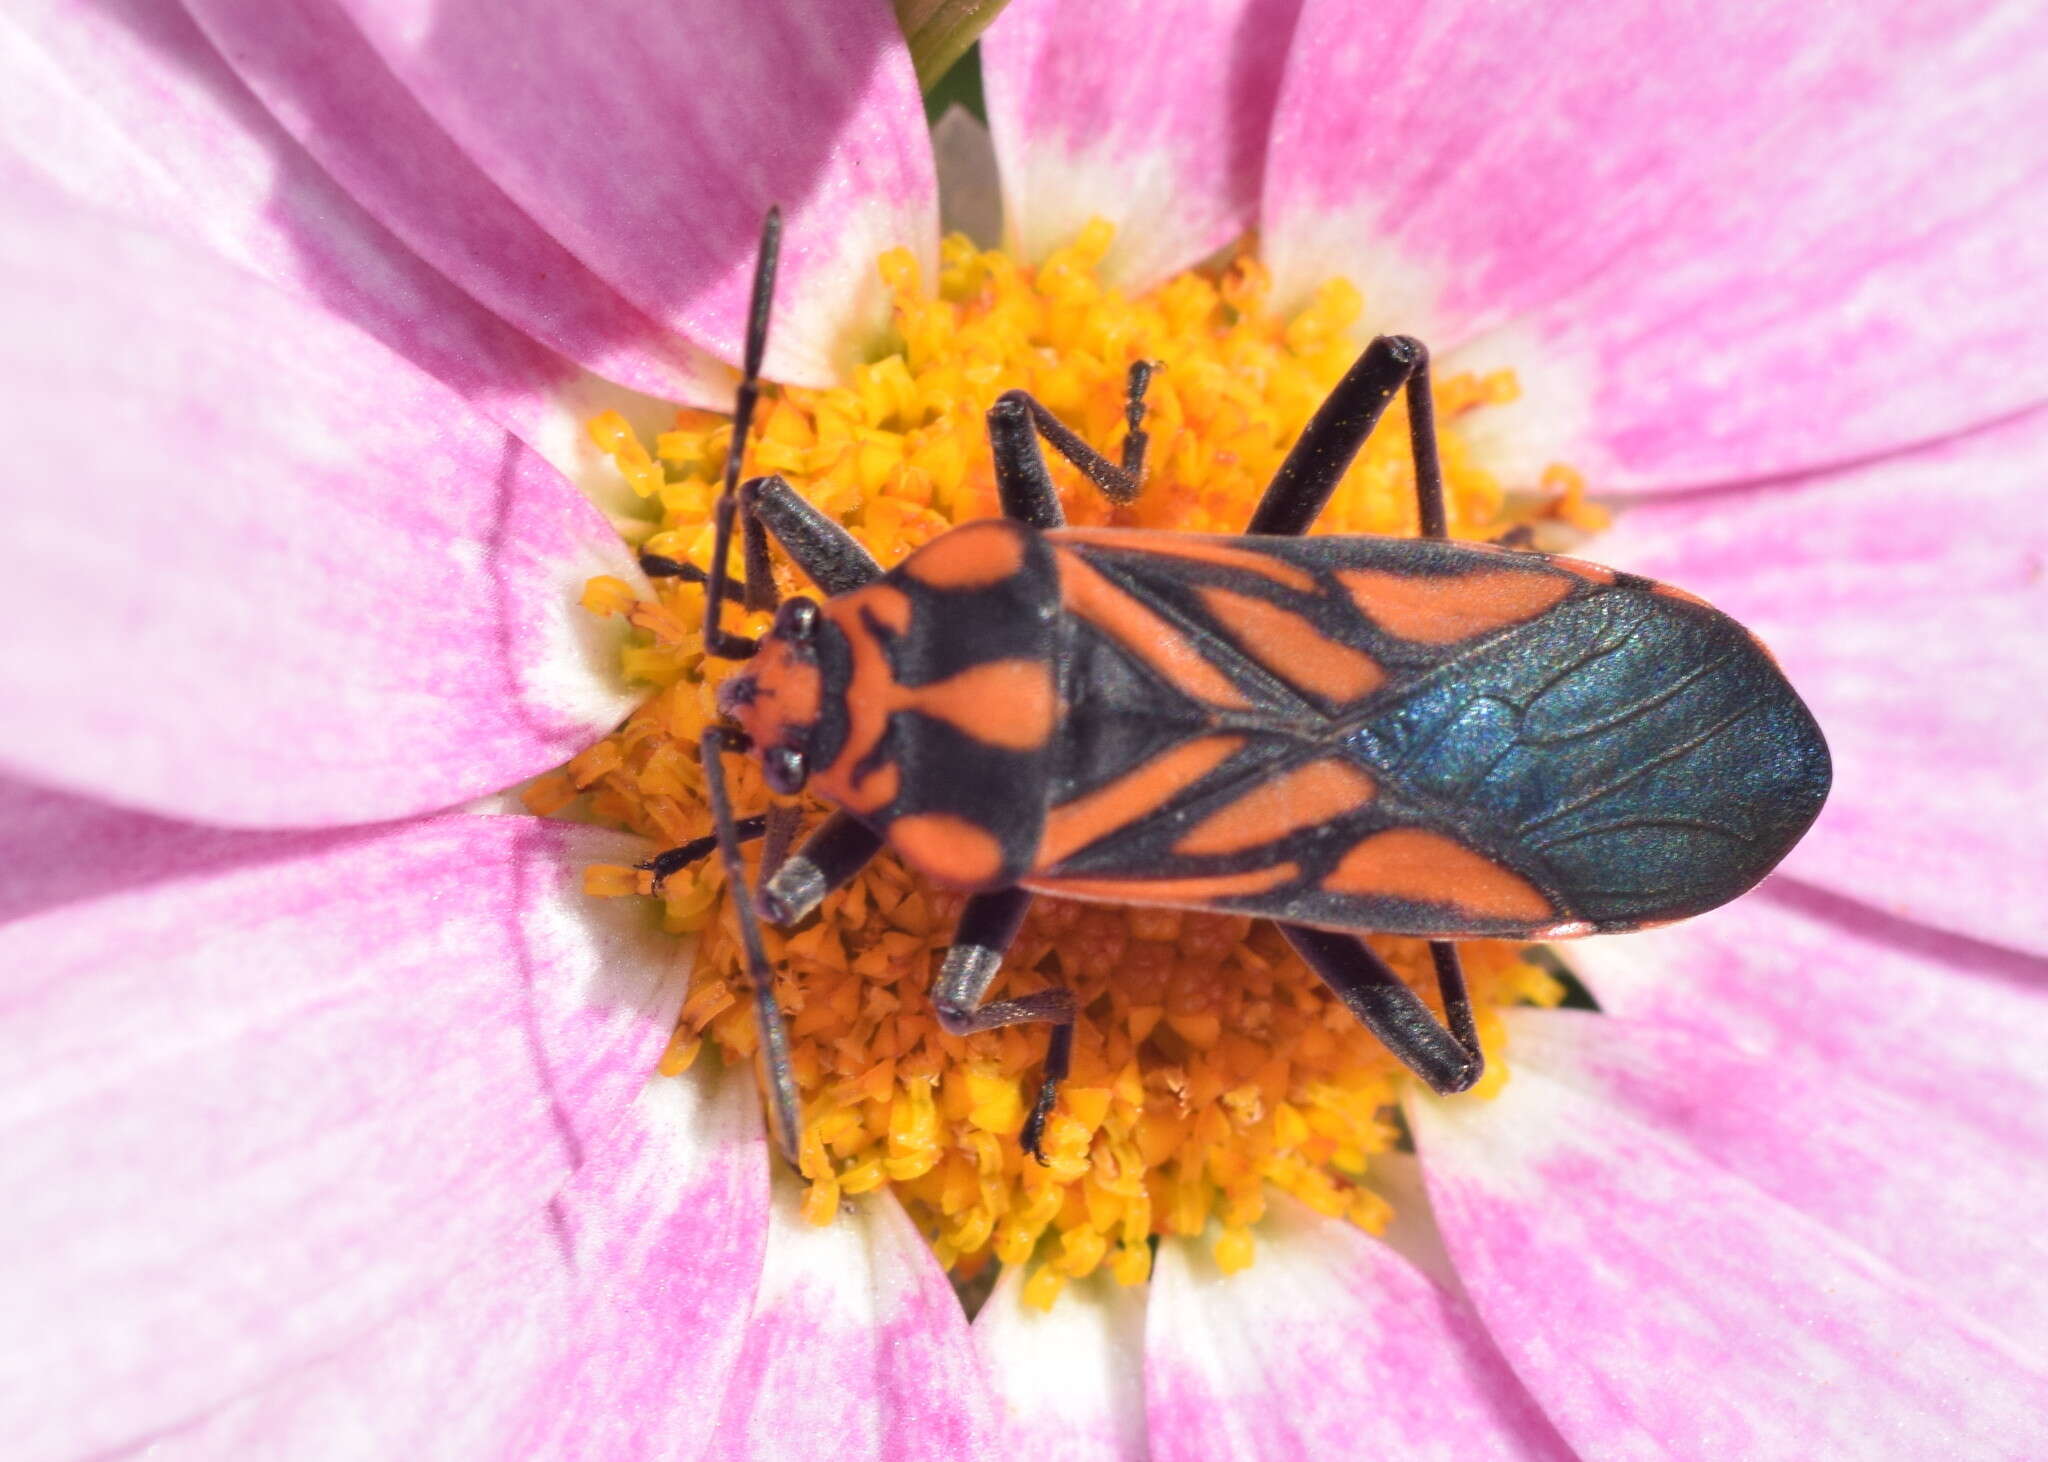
(1210, 1066)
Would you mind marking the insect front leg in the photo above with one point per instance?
(1447, 1057)
(829, 858)
(1018, 419)
(987, 927)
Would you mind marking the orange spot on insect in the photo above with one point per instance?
(1144, 633)
(1308, 796)
(947, 849)
(870, 793)
(1196, 548)
(1415, 863)
(888, 605)
(1072, 826)
(1188, 892)
(1289, 645)
(1438, 610)
(786, 696)
(975, 556)
(869, 688)
(1005, 703)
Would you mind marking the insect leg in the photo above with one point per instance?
(1393, 1012)
(1136, 438)
(1022, 482)
(1429, 470)
(671, 861)
(988, 925)
(1301, 487)
(831, 856)
(1450, 988)
(779, 831)
(1118, 485)
(768, 1021)
(660, 566)
(832, 557)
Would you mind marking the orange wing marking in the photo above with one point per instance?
(1144, 633)
(1072, 826)
(1414, 863)
(1308, 796)
(974, 556)
(1169, 890)
(1197, 548)
(1289, 645)
(1438, 611)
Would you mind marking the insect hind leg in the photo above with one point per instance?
(987, 928)
(828, 859)
(1296, 496)
(1447, 1057)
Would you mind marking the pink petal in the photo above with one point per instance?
(1906, 602)
(668, 1232)
(126, 105)
(1656, 1303)
(1793, 972)
(1069, 1379)
(1732, 240)
(254, 1112)
(297, 580)
(1330, 1345)
(651, 139)
(58, 849)
(1155, 122)
(327, 88)
(1919, 1188)
(857, 1348)
(606, 1326)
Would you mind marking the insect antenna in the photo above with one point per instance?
(759, 591)
(774, 1033)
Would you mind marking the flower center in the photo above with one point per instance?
(1210, 1066)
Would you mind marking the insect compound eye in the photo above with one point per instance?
(797, 619)
(783, 768)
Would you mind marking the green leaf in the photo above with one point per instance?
(940, 31)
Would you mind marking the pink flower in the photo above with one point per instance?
(328, 1120)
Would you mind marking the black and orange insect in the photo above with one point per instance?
(1341, 734)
